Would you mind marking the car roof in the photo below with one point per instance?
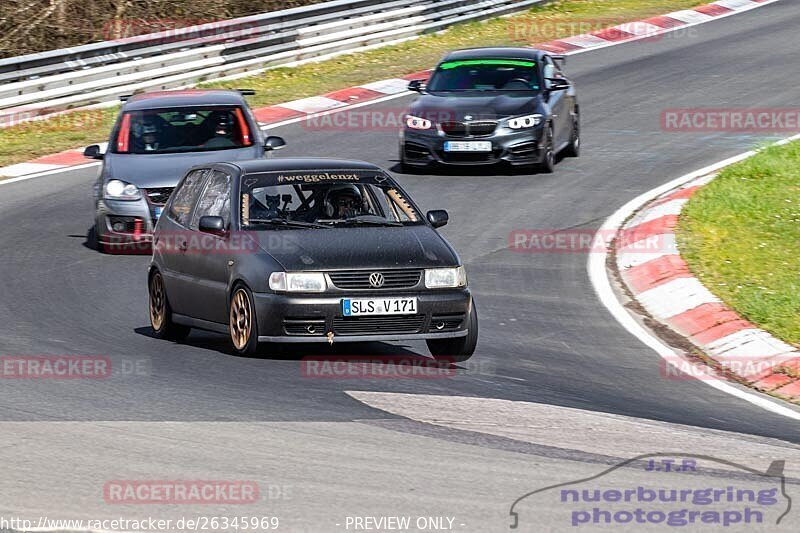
(184, 98)
(498, 52)
(254, 166)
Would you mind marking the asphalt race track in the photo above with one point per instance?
(544, 336)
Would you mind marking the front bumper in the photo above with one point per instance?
(516, 147)
(305, 318)
(138, 218)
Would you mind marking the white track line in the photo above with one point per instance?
(49, 172)
(601, 282)
(668, 30)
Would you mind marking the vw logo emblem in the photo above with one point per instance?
(376, 279)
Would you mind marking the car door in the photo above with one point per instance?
(209, 254)
(173, 241)
(559, 105)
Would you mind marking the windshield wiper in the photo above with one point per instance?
(365, 220)
(286, 223)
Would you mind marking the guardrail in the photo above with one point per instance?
(49, 82)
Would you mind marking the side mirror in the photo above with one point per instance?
(212, 225)
(416, 85)
(274, 143)
(558, 84)
(93, 152)
(438, 217)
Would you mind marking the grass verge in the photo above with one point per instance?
(551, 21)
(741, 237)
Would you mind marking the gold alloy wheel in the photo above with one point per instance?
(241, 319)
(157, 302)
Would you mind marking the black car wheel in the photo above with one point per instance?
(573, 149)
(548, 164)
(243, 323)
(457, 349)
(161, 312)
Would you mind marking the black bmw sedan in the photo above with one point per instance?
(488, 105)
(306, 250)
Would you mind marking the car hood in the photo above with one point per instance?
(451, 107)
(358, 248)
(164, 170)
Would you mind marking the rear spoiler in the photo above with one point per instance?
(560, 59)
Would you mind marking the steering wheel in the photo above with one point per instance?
(517, 80)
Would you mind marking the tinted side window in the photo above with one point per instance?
(186, 196)
(215, 200)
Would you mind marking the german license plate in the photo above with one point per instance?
(379, 306)
(467, 146)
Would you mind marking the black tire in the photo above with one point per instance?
(161, 312)
(573, 149)
(242, 322)
(457, 349)
(548, 164)
(92, 239)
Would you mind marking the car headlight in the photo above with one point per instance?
(297, 281)
(120, 190)
(442, 278)
(528, 121)
(417, 123)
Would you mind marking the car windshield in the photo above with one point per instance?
(171, 130)
(485, 75)
(319, 199)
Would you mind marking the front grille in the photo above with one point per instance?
(477, 128)
(304, 326)
(455, 129)
(446, 322)
(378, 325)
(158, 196)
(524, 150)
(415, 151)
(392, 279)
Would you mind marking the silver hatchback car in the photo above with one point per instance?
(156, 138)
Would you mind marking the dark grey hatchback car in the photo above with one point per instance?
(306, 250)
